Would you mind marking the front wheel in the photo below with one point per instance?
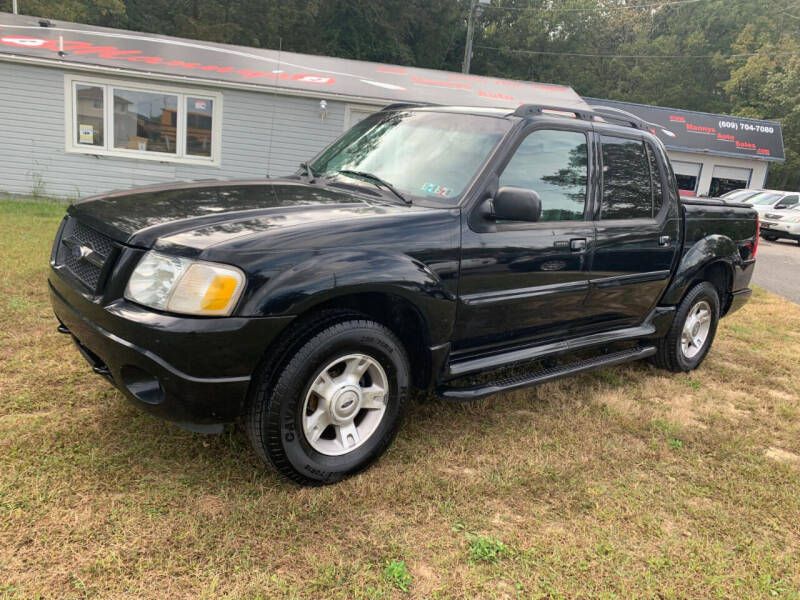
(692, 332)
(335, 407)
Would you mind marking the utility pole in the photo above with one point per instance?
(474, 10)
(14, 7)
(470, 31)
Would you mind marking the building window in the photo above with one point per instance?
(89, 109)
(353, 113)
(688, 176)
(152, 123)
(198, 126)
(726, 179)
(687, 183)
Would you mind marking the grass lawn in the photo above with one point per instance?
(626, 482)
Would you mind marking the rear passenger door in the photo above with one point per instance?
(638, 230)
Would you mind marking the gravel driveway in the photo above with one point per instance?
(778, 268)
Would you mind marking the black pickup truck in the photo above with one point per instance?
(462, 250)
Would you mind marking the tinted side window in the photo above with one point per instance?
(787, 202)
(626, 179)
(554, 164)
(655, 179)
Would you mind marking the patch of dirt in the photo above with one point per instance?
(684, 412)
(730, 410)
(468, 472)
(783, 456)
(781, 395)
(210, 506)
(505, 589)
(425, 578)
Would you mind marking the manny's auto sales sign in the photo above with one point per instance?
(717, 134)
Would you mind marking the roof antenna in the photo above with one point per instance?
(274, 102)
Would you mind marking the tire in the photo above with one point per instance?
(671, 353)
(769, 238)
(320, 383)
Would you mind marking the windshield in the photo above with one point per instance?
(739, 195)
(422, 154)
(764, 198)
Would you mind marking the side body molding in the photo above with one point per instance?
(703, 252)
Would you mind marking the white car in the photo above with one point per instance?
(771, 200)
(740, 195)
(781, 223)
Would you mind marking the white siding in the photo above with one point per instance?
(262, 134)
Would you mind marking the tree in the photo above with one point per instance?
(767, 86)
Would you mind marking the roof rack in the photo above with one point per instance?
(621, 116)
(529, 110)
(597, 113)
(399, 105)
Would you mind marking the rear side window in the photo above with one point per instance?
(627, 192)
(655, 178)
(554, 164)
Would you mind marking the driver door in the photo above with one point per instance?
(523, 282)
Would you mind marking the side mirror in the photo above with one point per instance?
(513, 203)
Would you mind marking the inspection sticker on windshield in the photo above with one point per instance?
(438, 190)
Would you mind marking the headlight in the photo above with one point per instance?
(183, 285)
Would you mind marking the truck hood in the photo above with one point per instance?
(203, 214)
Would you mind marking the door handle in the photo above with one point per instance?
(577, 244)
(663, 240)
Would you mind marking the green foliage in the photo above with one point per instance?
(395, 573)
(486, 549)
(767, 85)
(673, 54)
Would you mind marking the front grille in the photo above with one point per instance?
(87, 254)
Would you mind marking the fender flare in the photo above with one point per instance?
(324, 277)
(710, 249)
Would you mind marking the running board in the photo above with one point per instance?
(476, 392)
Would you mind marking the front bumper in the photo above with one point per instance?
(193, 371)
(780, 230)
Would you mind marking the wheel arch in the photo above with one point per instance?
(396, 290)
(711, 259)
(399, 314)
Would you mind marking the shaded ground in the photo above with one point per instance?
(623, 483)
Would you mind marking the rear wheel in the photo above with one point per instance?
(692, 332)
(335, 406)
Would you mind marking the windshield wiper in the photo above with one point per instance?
(379, 181)
(308, 171)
